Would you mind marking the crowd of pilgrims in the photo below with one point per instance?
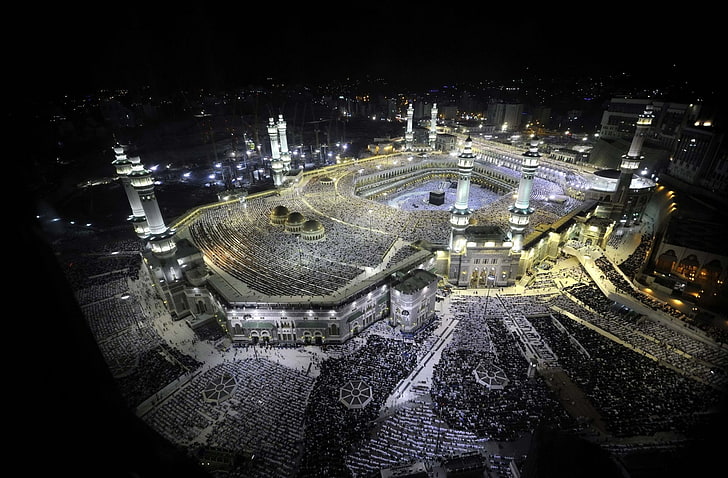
(307, 424)
(499, 414)
(633, 394)
(359, 233)
(295, 423)
(699, 359)
(620, 275)
(259, 418)
(111, 287)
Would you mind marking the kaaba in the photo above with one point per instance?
(437, 197)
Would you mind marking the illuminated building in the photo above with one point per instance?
(521, 211)
(409, 133)
(460, 213)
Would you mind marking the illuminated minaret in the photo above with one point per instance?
(276, 164)
(520, 211)
(409, 135)
(433, 126)
(124, 166)
(630, 164)
(460, 213)
(161, 238)
(277, 167)
(285, 154)
(275, 147)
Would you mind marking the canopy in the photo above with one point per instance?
(219, 388)
(355, 394)
(490, 375)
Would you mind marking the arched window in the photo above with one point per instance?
(709, 273)
(666, 261)
(688, 267)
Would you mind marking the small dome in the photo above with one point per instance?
(295, 218)
(312, 225)
(279, 211)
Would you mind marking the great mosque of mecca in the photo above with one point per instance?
(326, 253)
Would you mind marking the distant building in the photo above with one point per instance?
(505, 116)
(619, 120)
(700, 159)
(689, 264)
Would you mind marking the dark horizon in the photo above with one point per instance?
(218, 47)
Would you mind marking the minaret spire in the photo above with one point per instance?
(460, 213)
(630, 164)
(275, 147)
(276, 164)
(161, 238)
(409, 135)
(124, 166)
(521, 211)
(285, 154)
(433, 126)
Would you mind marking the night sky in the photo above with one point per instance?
(218, 46)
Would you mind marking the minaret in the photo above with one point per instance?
(520, 211)
(276, 164)
(409, 135)
(433, 126)
(277, 167)
(285, 154)
(460, 213)
(161, 238)
(124, 166)
(630, 164)
(275, 147)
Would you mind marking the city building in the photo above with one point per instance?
(699, 158)
(620, 118)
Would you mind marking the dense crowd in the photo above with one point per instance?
(261, 419)
(464, 403)
(634, 395)
(699, 359)
(458, 414)
(241, 239)
(640, 376)
(332, 429)
(119, 308)
(617, 276)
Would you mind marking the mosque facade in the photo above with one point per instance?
(196, 287)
